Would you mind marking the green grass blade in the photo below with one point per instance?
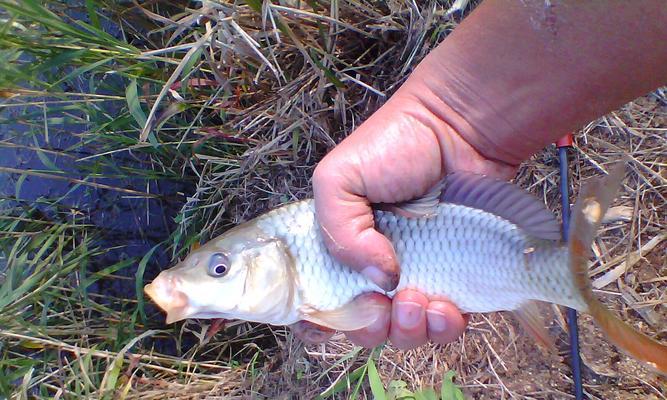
(80, 71)
(256, 5)
(426, 394)
(132, 97)
(91, 6)
(139, 282)
(377, 388)
(344, 384)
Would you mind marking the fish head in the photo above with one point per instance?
(243, 274)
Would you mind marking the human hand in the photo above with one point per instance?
(485, 99)
(398, 154)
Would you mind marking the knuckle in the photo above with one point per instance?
(325, 173)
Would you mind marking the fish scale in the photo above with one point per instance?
(477, 260)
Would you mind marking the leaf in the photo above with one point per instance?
(44, 159)
(113, 370)
(112, 376)
(449, 390)
(426, 394)
(377, 388)
(66, 57)
(31, 344)
(139, 281)
(19, 184)
(170, 111)
(345, 383)
(398, 390)
(296, 134)
(80, 71)
(133, 104)
(256, 5)
(167, 85)
(187, 68)
(328, 73)
(94, 19)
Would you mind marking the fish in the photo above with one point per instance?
(484, 244)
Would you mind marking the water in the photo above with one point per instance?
(129, 225)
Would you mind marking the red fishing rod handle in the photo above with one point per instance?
(565, 141)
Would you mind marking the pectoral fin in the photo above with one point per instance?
(423, 206)
(533, 323)
(355, 315)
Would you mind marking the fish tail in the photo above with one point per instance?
(588, 212)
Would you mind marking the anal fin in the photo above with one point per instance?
(533, 323)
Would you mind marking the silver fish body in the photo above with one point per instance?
(475, 259)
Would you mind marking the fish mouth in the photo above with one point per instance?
(174, 302)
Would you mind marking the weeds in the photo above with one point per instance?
(352, 384)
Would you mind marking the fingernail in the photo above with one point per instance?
(437, 322)
(386, 282)
(409, 314)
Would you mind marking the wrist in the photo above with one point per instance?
(465, 105)
(461, 145)
(458, 152)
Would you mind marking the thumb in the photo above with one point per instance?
(348, 226)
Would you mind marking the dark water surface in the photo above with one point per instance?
(47, 139)
(129, 225)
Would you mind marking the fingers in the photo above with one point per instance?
(348, 226)
(444, 322)
(408, 320)
(377, 332)
(415, 321)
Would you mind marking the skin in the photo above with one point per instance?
(512, 78)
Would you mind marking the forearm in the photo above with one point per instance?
(517, 75)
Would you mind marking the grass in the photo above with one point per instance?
(139, 130)
(395, 390)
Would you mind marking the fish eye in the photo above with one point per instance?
(218, 265)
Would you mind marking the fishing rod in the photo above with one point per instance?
(563, 144)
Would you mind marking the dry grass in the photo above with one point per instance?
(321, 72)
(270, 89)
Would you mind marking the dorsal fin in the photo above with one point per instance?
(493, 195)
(503, 199)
